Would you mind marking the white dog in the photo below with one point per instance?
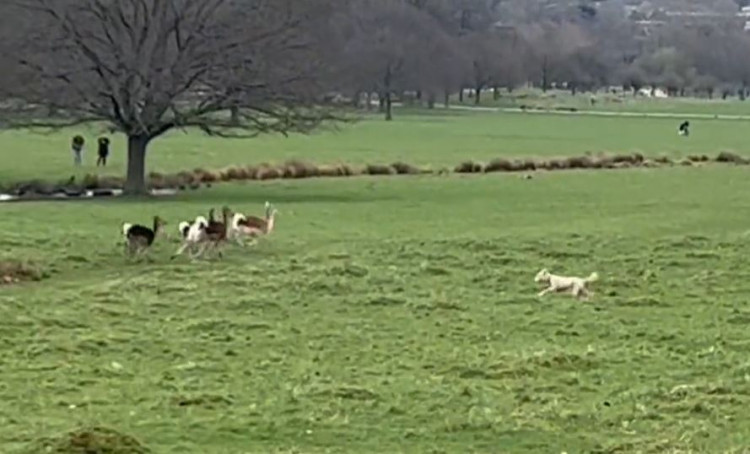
(577, 286)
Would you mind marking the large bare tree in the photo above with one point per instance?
(148, 66)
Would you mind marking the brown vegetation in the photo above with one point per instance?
(93, 440)
(296, 169)
(14, 271)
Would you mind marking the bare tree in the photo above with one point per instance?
(389, 43)
(148, 66)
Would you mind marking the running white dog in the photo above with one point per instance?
(577, 286)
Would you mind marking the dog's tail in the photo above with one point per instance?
(593, 277)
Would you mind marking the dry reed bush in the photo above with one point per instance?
(730, 157)
(632, 159)
(329, 171)
(403, 168)
(686, 162)
(33, 187)
(157, 181)
(664, 160)
(14, 271)
(379, 169)
(187, 177)
(175, 180)
(234, 173)
(266, 172)
(499, 165)
(95, 440)
(90, 181)
(337, 170)
(469, 167)
(554, 164)
(299, 169)
(580, 162)
(205, 176)
(699, 158)
(111, 182)
(527, 164)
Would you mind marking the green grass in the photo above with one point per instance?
(435, 139)
(395, 314)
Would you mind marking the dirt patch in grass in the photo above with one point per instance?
(94, 440)
(15, 271)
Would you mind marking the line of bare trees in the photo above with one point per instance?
(246, 67)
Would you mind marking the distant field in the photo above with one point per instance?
(425, 138)
(614, 103)
(394, 314)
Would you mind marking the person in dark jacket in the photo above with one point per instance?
(103, 152)
(684, 129)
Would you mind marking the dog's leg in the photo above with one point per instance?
(545, 291)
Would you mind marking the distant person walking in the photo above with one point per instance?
(103, 152)
(684, 129)
(77, 147)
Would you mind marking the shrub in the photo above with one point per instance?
(379, 169)
(329, 171)
(111, 182)
(665, 160)
(730, 157)
(268, 173)
(90, 181)
(554, 164)
(580, 162)
(525, 164)
(205, 176)
(298, 169)
(469, 167)
(499, 165)
(403, 168)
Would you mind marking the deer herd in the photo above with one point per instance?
(202, 235)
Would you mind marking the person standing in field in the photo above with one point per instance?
(103, 151)
(77, 147)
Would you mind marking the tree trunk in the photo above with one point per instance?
(388, 107)
(477, 95)
(461, 95)
(381, 102)
(388, 93)
(235, 115)
(495, 93)
(446, 99)
(368, 100)
(135, 183)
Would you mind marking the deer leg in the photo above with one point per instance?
(180, 250)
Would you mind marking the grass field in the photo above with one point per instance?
(396, 314)
(614, 103)
(435, 139)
